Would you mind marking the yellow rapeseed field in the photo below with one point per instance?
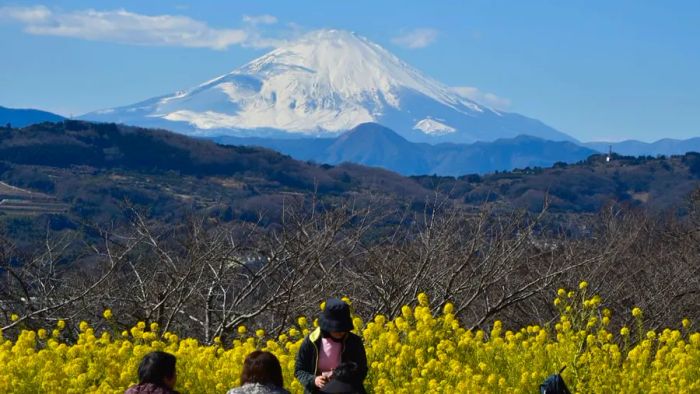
(416, 352)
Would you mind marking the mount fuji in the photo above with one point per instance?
(323, 84)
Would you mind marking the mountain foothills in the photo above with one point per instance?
(323, 84)
(24, 117)
(374, 145)
(91, 173)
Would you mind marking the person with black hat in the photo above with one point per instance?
(331, 344)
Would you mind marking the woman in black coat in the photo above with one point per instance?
(327, 347)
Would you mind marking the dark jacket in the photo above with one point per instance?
(306, 367)
(149, 388)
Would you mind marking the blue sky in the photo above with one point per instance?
(598, 70)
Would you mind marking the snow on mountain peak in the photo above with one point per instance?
(326, 82)
(350, 66)
(433, 127)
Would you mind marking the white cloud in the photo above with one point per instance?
(417, 38)
(37, 14)
(264, 19)
(485, 98)
(122, 26)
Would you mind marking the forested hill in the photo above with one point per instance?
(98, 168)
(94, 169)
(654, 183)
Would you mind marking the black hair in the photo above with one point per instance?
(155, 367)
(345, 372)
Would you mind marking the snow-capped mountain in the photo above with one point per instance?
(327, 82)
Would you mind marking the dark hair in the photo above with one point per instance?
(345, 371)
(155, 367)
(262, 367)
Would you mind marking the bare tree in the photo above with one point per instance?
(204, 279)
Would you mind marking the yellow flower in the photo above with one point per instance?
(406, 311)
(412, 351)
(449, 308)
(636, 312)
(61, 324)
(14, 317)
(107, 314)
(583, 285)
(686, 323)
(423, 299)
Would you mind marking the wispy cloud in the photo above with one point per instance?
(264, 19)
(122, 26)
(257, 39)
(485, 98)
(417, 38)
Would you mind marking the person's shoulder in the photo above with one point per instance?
(314, 335)
(354, 337)
(148, 388)
(256, 388)
(312, 338)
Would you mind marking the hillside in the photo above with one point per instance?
(96, 170)
(650, 183)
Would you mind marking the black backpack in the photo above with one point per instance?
(554, 384)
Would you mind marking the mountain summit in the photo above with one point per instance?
(322, 84)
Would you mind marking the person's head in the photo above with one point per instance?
(345, 371)
(158, 368)
(262, 367)
(344, 379)
(336, 319)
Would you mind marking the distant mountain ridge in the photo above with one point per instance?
(321, 85)
(95, 168)
(21, 117)
(374, 145)
(665, 146)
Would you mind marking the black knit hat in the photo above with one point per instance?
(336, 317)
